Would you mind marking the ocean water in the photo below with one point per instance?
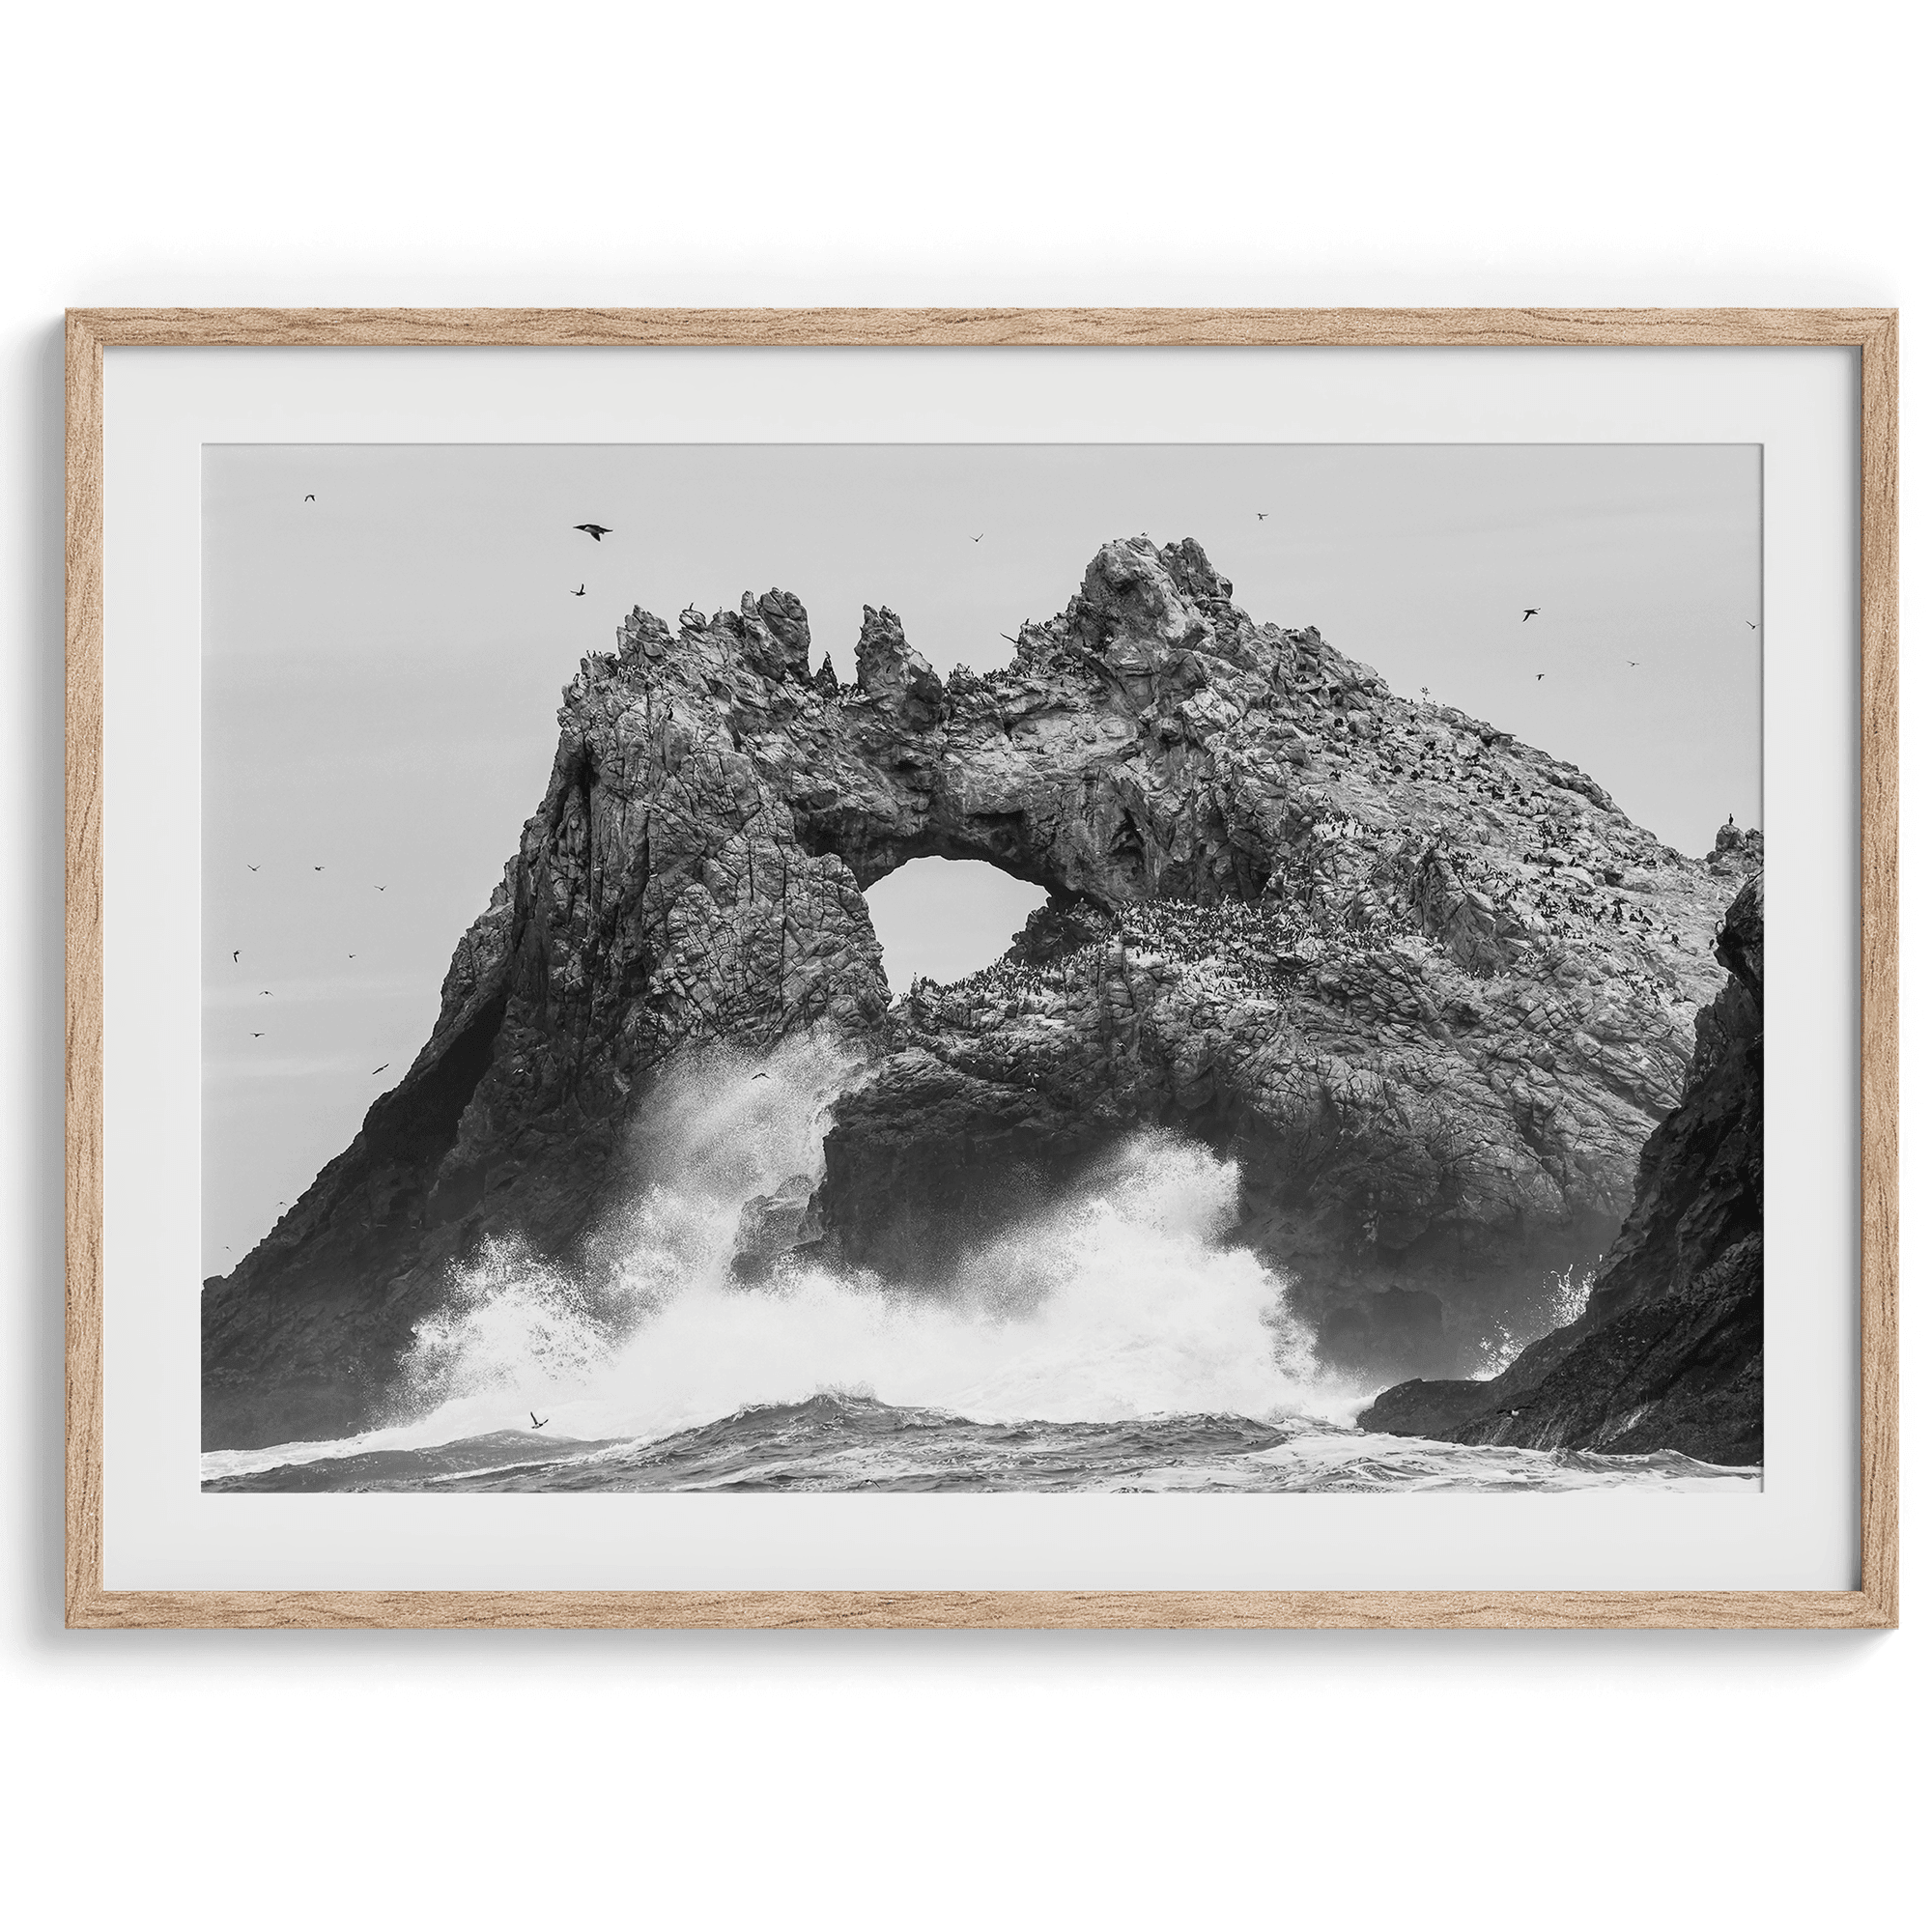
(1115, 1343)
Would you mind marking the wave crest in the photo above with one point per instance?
(1122, 1301)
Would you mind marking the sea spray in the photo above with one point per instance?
(1124, 1300)
(1562, 1301)
(721, 1129)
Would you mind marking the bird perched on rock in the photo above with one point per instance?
(596, 533)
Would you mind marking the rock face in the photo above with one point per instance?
(1428, 984)
(1669, 1352)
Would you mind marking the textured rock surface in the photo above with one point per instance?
(1669, 1352)
(1429, 984)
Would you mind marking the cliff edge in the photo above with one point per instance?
(1669, 1352)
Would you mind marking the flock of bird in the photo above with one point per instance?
(267, 992)
(1255, 943)
(596, 533)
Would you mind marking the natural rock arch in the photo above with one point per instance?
(1429, 984)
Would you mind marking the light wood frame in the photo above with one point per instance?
(1874, 333)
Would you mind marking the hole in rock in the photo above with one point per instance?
(942, 919)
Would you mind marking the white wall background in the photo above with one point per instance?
(1117, 153)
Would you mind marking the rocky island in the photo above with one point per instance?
(1430, 987)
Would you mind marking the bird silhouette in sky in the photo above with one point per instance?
(310, 498)
(1631, 661)
(252, 868)
(762, 1076)
(977, 538)
(578, 592)
(1748, 625)
(535, 1424)
(266, 994)
(1535, 611)
(320, 868)
(381, 889)
(238, 958)
(351, 956)
(1261, 516)
(1539, 678)
(374, 1070)
(258, 1036)
(596, 533)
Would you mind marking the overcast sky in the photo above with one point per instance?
(381, 669)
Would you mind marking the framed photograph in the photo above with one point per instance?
(1160, 968)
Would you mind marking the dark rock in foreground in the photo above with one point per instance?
(1426, 984)
(1669, 1352)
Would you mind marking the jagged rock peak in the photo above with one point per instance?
(896, 674)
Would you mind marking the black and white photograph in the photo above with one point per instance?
(1138, 968)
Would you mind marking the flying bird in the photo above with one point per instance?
(1539, 678)
(266, 994)
(596, 533)
(238, 958)
(578, 592)
(374, 1070)
(1261, 516)
(258, 1036)
(977, 538)
(310, 498)
(1748, 625)
(1535, 611)
(252, 868)
(535, 1424)
(320, 868)
(762, 1076)
(381, 889)
(1631, 661)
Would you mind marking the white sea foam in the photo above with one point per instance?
(1122, 1301)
